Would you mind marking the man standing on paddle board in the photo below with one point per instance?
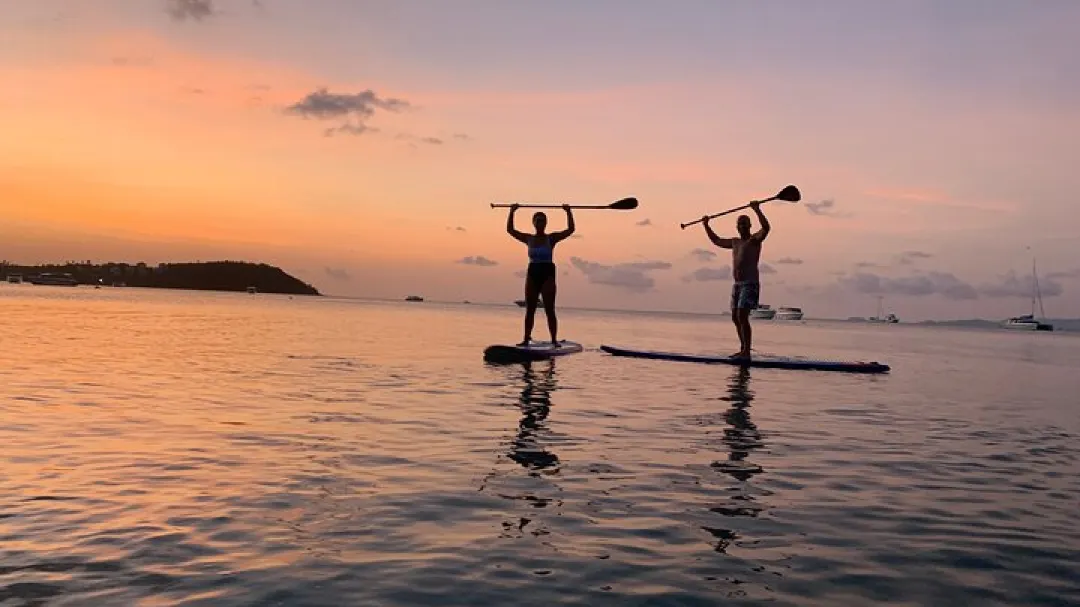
(540, 277)
(745, 254)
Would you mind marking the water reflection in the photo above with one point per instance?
(534, 491)
(742, 438)
(527, 448)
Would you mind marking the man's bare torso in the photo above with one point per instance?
(744, 256)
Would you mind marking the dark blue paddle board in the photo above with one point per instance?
(770, 362)
(537, 350)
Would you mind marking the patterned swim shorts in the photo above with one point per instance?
(744, 295)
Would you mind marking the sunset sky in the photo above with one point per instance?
(358, 144)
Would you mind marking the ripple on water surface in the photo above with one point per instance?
(196, 449)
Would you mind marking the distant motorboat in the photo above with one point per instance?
(520, 303)
(252, 290)
(789, 313)
(1028, 322)
(14, 279)
(56, 279)
(414, 298)
(763, 312)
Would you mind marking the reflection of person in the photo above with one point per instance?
(540, 278)
(745, 253)
(742, 436)
(535, 403)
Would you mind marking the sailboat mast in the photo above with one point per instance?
(1035, 292)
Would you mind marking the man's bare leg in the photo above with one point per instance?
(736, 314)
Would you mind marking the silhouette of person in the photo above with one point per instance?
(745, 255)
(540, 276)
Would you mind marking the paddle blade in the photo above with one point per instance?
(789, 194)
(626, 204)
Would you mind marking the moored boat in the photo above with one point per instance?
(789, 313)
(1028, 322)
(57, 279)
(763, 312)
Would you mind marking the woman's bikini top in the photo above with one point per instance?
(541, 253)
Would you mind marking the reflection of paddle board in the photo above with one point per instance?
(774, 362)
(537, 350)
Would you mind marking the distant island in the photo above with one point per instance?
(1060, 324)
(202, 276)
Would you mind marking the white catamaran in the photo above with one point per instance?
(1028, 322)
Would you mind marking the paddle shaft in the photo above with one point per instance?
(729, 211)
(551, 206)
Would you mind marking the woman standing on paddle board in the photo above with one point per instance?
(540, 277)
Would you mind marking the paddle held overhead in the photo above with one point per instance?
(788, 194)
(626, 204)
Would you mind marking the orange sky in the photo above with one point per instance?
(126, 125)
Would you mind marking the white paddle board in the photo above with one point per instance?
(536, 350)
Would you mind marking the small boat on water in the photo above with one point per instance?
(1028, 322)
(414, 298)
(56, 279)
(885, 319)
(762, 312)
(520, 303)
(888, 319)
(15, 279)
(252, 290)
(788, 313)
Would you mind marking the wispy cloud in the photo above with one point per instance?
(1064, 275)
(627, 276)
(413, 139)
(708, 274)
(908, 258)
(456, 229)
(765, 268)
(132, 61)
(789, 261)
(196, 10)
(338, 273)
(1011, 285)
(321, 104)
(349, 129)
(478, 260)
(932, 283)
(937, 199)
(703, 255)
(825, 208)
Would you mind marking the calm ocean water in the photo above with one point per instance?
(172, 448)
